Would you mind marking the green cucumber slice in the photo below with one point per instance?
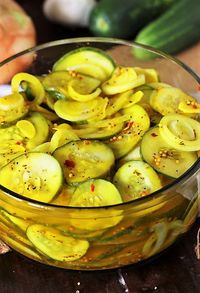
(87, 60)
(84, 159)
(163, 157)
(34, 175)
(20, 223)
(55, 245)
(12, 108)
(95, 193)
(136, 179)
(57, 84)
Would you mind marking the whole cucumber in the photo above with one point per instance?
(123, 19)
(174, 30)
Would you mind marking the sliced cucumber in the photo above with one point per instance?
(99, 133)
(132, 133)
(181, 132)
(55, 84)
(10, 150)
(136, 179)
(41, 126)
(101, 129)
(34, 175)
(84, 159)
(81, 93)
(166, 100)
(75, 111)
(35, 86)
(116, 102)
(55, 245)
(151, 75)
(12, 108)
(163, 157)
(121, 80)
(87, 60)
(20, 223)
(133, 155)
(95, 193)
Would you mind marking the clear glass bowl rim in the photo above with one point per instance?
(191, 171)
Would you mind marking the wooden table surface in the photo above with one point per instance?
(175, 271)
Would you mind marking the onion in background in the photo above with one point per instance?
(17, 33)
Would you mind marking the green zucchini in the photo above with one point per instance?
(114, 18)
(173, 31)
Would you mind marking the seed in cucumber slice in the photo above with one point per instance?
(55, 245)
(33, 175)
(136, 179)
(163, 157)
(87, 60)
(84, 159)
(95, 193)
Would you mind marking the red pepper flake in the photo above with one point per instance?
(18, 142)
(154, 134)
(92, 187)
(128, 125)
(69, 164)
(198, 89)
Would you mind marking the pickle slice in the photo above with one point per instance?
(163, 157)
(55, 245)
(95, 193)
(34, 175)
(121, 80)
(181, 132)
(84, 159)
(135, 179)
(87, 60)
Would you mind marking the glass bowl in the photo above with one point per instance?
(116, 235)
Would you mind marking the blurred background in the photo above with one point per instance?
(170, 25)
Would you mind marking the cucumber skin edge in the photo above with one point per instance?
(161, 35)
